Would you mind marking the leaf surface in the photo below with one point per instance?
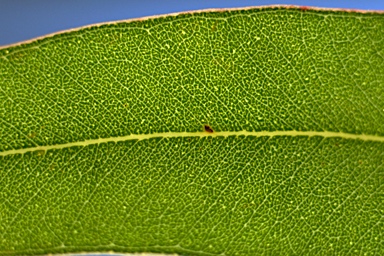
(242, 132)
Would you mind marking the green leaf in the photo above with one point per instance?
(243, 132)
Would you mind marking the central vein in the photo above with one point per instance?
(196, 134)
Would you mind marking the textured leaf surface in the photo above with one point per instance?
(103, 144)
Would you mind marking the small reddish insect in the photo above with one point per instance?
(208, 129)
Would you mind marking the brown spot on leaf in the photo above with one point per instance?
(208, 129)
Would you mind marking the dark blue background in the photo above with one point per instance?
(25, 19)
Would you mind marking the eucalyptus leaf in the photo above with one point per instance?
(236, 132)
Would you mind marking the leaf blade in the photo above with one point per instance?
(278, 70)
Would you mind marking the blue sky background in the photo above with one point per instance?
(22, 19)
(25, 19)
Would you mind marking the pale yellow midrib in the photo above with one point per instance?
(324, 134)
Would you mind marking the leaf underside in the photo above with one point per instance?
(266, 69)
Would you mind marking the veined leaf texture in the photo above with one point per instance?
(236, 132)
